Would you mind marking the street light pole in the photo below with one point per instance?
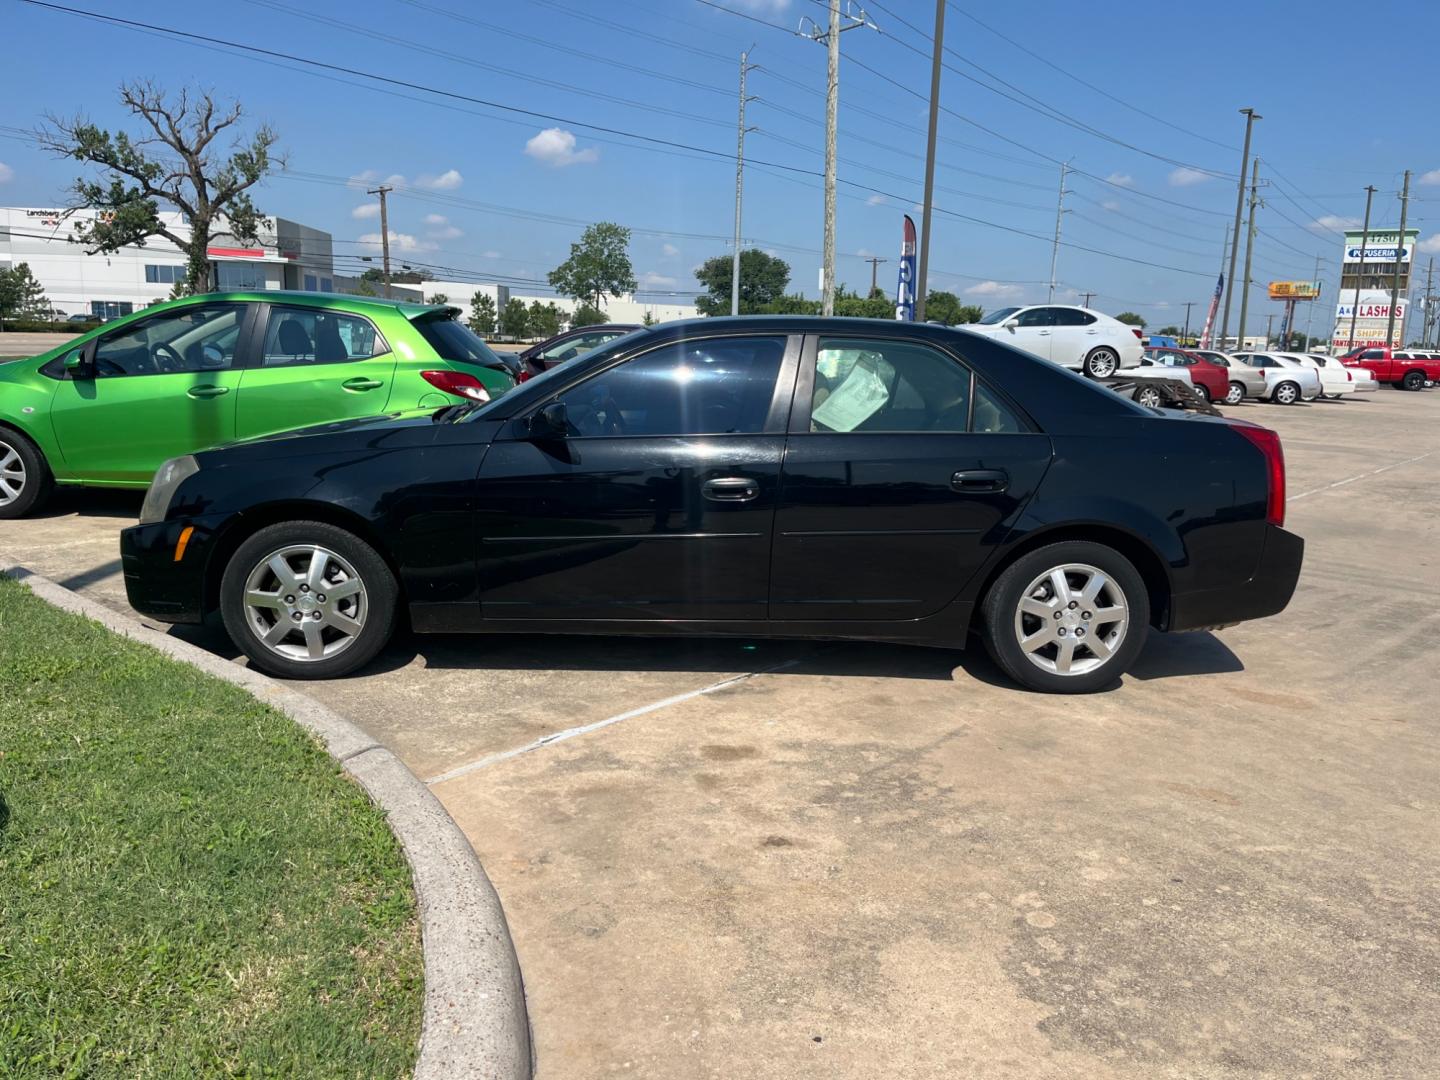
(1360, 271)
(1250, 117)
(922, 285)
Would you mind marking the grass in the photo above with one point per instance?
(189, 885)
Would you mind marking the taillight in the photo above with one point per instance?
(524, 375)
(1349, 377)
(459, 383)
(1268, 443)
(1137, 333)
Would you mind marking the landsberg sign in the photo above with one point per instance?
(1294, 290)
(1381, 247)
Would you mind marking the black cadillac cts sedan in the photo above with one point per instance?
(784, 477)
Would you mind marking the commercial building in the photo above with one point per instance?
(619, 309)
(1373, 280)
(288, 256)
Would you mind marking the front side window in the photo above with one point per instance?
(998, 316)
(715, 386)
(1040, 316)
(190, 339)
(296, 336)
(876, 385)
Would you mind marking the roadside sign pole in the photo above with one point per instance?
(1360, 272)
(1399, 261)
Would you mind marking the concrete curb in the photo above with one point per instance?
(474, 1023)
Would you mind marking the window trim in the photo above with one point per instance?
(242, 339)
(256, 357)
(805, 388)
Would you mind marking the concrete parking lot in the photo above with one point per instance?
(756, 859)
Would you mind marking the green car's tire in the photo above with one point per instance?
(25, 478)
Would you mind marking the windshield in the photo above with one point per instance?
(998, 316)
(453, 340)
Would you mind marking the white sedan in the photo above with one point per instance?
(1287, 380)
(1334, 381)
(1362, 380)
(1073, 337)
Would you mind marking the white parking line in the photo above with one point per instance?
(584, 729)
(1362, 476)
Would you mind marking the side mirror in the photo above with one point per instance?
(551, 422)
(77, 367)
(1011, 324)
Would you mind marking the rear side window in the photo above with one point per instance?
(296, 336)
(453, 340)
(1072, 317)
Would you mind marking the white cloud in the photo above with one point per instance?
(446, 232)
(1183, 177)
(490, 254)
(768, 7)
(864, 253)
(366, 210)
(1431, 244)
(669, 250)
(1121, 179)
(556, 147)
(1431, 177)
(1110, 204)
(994, 289)
(652, 280)
(1331, 222)
(6, 172)
(371, 178)
(448, 180)
(436, 219)
(875, 200)
(402, 242)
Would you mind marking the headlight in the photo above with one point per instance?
(162, 489)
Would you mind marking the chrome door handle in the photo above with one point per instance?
(970, 481)
(362, 383)
(207, 391)
(730, 489)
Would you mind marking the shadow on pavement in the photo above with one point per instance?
(92, 502)
(1200, 652)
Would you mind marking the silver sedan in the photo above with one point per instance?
(1245, 381)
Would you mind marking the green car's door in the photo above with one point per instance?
(150, 390)
(313, 366)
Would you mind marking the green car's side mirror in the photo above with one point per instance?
(77, 367)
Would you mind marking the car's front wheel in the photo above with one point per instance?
(1067, 618)
(1101, 363)
(1235, 394)
(25, 478)
(1287, 393)
(308, 600)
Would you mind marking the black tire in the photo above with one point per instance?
(376, 601)
(1000, 613)
(1150, 397)
(1413, 380)
(1202, 393)
(1101, 363)
(1236, 394)
(1287, 393)
(28, 481)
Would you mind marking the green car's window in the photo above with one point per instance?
(188, 340)
(307, 336)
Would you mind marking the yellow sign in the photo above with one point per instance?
(1294, 290)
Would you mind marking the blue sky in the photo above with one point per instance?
(493, 193)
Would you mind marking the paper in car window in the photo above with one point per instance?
(854, 401)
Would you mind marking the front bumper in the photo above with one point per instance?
(158, 584)
(1266, 593)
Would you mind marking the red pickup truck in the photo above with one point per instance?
(1406, 368)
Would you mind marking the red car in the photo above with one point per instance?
(1405, 368)
(1211, 381)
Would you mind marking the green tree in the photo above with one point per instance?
(856, 306)
(585, 315)
(762, 281)
(21, 296)
(515, 319)
(186, 172)
(1131, 319)
(545, 319)
(397, 277)
(648, 319)
(792, 304)
(439, 298)
(482, 313)
(1169, 331)
(598, 265)
(946, 307)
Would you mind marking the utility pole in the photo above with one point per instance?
(1310, 307)
(831, 37)
(382, 191)
(1425, 326)
(1088, 295)
(1269, 328)
(922, 284)
(739, 187)
(1249, 250)
(1250, 117)
(1059, 213)
(875, 262)
(1185, 334)
(1399, 261)
(1360, 271)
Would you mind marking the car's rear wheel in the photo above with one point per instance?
(1067, 618)
(1101, 363)
(1235, 394)
(1287, 393)
(1150, 397)
(1202, 393)
(308, 600)
(1414, 380)
(25, 478)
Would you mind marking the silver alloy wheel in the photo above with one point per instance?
(1149, 397)
(1101, 364)
(1071, 619)
(305, 603)
(1235, 395)
(1201, 392)
(1287, 393)
(12, 474)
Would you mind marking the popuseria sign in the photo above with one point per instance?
(1381, 247)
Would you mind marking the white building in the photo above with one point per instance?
(620, 309)
(289, 256)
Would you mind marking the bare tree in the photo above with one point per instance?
(175, 162)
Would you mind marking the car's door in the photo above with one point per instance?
(660, 500)
(1034, 328)
(902, 472)
(1073, 334)
(313, 366)
(150, 390)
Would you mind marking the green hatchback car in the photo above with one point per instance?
(109, 407)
